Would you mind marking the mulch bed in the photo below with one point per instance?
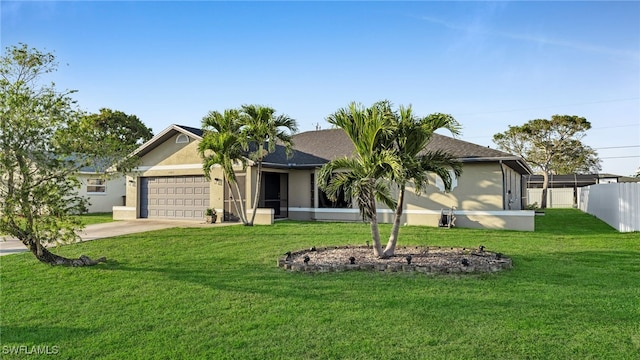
(432, 259)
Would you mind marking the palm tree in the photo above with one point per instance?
(362, 178)
(410, 139)
(261, 131)
(222, 145)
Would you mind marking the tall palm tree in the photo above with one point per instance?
(362, 178)
(410, 139)
(222, 145)
(261, 131)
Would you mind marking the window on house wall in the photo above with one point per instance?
(96, 186)
(340, 203)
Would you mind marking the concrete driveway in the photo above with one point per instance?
(110, 229)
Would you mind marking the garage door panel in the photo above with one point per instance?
(180, 197)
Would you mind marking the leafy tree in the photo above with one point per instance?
(42, 147)
(411, 136)
(261, 131)
(363, 178)
(222, 145)
(106, 137)
(551, 146)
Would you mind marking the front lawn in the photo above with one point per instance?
(96, 218)
(216, 293)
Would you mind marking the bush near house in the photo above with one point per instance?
(206, 293)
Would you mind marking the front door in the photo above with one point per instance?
(272, 193)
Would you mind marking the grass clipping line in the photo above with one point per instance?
(430, 259)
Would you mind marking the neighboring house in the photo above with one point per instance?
(103, 194)
(170, 183)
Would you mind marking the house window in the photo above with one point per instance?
(339, 203)
(182, 139)
(96, 186)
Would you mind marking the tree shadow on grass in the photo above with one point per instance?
(253, 279)
(588, 266)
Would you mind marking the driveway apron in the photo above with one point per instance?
(110, 229)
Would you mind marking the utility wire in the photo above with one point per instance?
(618, 147)
(548, 106)
(621, 157)
(613, 126)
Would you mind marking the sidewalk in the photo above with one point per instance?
(110, 229)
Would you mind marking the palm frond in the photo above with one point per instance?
(440, 163)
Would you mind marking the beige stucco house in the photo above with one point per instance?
(170, 183)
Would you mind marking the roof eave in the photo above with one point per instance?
(518, 160)
(161, 137)
(291, 166)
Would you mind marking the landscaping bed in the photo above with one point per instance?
(435, 260)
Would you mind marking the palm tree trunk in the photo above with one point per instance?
(393, 238)
(375, 237)
(375, 231)
(257, 197)
(235, 202)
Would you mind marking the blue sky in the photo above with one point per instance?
(489, 64)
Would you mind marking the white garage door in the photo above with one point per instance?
(174, 197)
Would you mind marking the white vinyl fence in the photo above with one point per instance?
(556, 197)
(617, 204)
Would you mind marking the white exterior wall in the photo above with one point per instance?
(103, 202)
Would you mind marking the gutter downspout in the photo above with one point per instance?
(503, 182)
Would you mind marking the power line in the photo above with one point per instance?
(549, 106)
(614, 126)
(618, 147)
(620, 157)
(595, 128)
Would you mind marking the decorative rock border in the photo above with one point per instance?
(428, 260)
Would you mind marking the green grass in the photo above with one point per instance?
(96, 218)
(216, 293)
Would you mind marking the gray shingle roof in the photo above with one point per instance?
(195, 131)
(463, 149)
(330, 144)
(315, 148)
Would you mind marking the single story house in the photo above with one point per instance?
(170, 183)
(103, 194)
(564, 190)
